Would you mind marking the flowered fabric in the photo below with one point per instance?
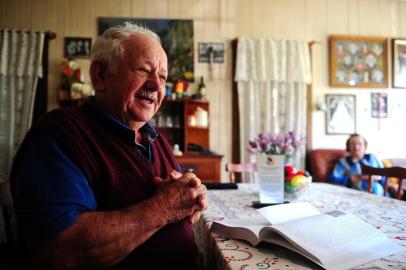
(385, 214)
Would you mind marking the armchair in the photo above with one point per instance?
(322, 162)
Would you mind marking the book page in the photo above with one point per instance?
(270, 236)
(280, 213)
(245, 228)
(339, 240)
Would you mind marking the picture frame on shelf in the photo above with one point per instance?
(358, 61)
(398, 63)
(340, 114)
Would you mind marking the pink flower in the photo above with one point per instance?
(268, 143)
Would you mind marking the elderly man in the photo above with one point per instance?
(97, 186)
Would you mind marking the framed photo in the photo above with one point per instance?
(357, 61)
(379, 105)
(77, 47)
(177, 40)
(398, 63)
(211, 52)
(340, 114)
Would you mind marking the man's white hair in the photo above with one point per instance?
(108, 47)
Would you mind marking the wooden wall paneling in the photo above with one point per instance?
(61, 28)
(268, 14)
(281, 19)
(384, 27)
(89, 28)
(138, 8)
(227, 33)
(101, 8)
(258, 18)
(394, 15)
(317, 18)
(210, 10)
(402, 19)
(194, 9)
(24, 16)
(3, 10)
(51, 23)
(317, 25)
(337, 19)
(174, 9)
(295, 19)
(227, 18)
(353, 23)
(156, 9)
(242, 18)
(368, 14)
(118, 8)
(10, 14)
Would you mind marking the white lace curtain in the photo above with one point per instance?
(272, 77)
(20, 67)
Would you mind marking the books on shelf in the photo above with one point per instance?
(333, 240)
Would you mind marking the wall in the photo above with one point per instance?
(223, 20)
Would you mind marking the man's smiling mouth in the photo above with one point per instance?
(148, 96)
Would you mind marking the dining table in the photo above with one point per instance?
(216, 252)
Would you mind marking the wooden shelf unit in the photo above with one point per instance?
(172, 120)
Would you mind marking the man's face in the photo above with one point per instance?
(135, 91)
(357, 147)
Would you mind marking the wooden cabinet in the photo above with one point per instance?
(177, 120)
(172, 121)
(206, 167)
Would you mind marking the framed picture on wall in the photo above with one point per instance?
(77, 47)
(340, 114)
(357, 61)
(398, 63)
(177, 40)
(379, 105)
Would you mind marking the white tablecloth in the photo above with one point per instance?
(387, 215)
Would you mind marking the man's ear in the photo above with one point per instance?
(97, 75)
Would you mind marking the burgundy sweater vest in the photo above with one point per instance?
(120, 176)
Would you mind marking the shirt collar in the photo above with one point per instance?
(148, 131)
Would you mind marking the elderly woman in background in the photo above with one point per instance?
(347, 171)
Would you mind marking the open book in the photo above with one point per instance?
(333, 240)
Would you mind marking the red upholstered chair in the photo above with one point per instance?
(322, 162)
(234, 168)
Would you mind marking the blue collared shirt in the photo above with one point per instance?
(52, 191)
(346, 167)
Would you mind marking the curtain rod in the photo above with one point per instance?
(48, 34)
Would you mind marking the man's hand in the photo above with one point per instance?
(183, 196)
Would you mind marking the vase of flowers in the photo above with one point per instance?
(276, 144)
(273, 153)
(70, 74)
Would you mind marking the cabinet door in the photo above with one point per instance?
(169, 120)
(195, 134)
(207, 168)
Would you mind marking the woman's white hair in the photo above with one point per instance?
(108, 48)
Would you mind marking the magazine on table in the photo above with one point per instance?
(333, 240)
